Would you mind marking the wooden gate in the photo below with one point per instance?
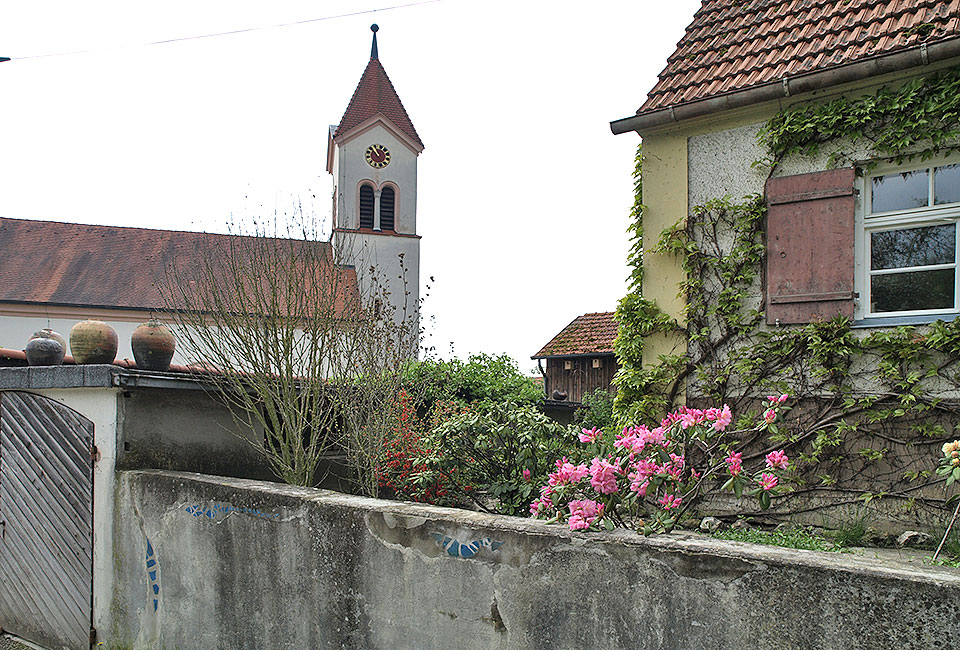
(46, 521)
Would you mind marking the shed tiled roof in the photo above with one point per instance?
(732, 45)
(375, 94)
(103, 266)
(587, 334)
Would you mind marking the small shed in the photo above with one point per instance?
(579, 360)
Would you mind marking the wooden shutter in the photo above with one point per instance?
(810, 246)
(386, 208)
(366, 206)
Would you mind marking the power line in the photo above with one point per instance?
(228, 33)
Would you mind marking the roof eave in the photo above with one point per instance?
(574, 356)
(379, 118)
(917, 56)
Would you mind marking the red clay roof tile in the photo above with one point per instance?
(104, 266)
(587, 334)
(732, 45)
(376, 94)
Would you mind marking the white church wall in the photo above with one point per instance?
(351, 168)
(16, 329)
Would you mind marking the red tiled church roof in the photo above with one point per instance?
(733, 45)
(105, 266)
(375, 94)
(587, 334)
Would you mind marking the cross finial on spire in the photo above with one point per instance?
(373, 49)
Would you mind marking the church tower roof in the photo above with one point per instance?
(376, 94)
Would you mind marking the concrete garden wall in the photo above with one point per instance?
(210, 562)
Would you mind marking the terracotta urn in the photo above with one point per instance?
(93, 341)
(153, 345)
(45, 348)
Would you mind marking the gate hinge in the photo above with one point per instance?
(94, 453)
(93, 636)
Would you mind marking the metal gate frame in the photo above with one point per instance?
(46, 521)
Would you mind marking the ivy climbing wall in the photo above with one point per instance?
(873, 404)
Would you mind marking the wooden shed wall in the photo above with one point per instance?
(582, 378)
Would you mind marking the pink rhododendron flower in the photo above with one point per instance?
(567, 473)
(768, 481)
(770, 416)
(583, 513)
(723, 419)
(590, 435)
(633, 440)
(734, 462)
(642, 471)
(541, 505)
(695, 474)
(777, 459)
(526, 475)
(603, 476)
(778, 400)
(669, 501)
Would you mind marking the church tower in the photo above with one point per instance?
(372, 155)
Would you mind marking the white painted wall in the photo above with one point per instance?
(350, 168)
(380, 251)
(15, 331)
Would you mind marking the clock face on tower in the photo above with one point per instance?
(377, 156)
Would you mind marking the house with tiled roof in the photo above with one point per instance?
(851, 228)
(578, 360)
(800, 177)
(57, 274)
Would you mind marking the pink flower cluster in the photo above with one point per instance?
(583, 513)
(687, 417)
(567, 473)
(777, 460)
(543, 504)
(590, 435)
(603, 475)
(654, 464)
(633, 439)
(768, 481)
(669, 501)
(734, 462)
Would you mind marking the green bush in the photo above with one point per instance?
(482, 377)
(483, 454)
(597, 411)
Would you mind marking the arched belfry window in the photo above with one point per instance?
(387, 201)
(366, 206)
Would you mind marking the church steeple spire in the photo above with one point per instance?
(375, 95)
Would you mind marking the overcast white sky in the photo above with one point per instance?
(523, 190)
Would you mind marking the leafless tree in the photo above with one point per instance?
(280, 328)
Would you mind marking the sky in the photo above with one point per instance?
(115, 113)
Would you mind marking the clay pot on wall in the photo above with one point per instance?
(45, 348)
(93, 341)
(153, 345)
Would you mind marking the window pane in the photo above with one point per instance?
(900, 191)
(911, 291)
(894, 249)
(946, 184)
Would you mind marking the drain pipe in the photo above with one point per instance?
(921, 55)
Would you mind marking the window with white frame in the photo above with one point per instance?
(907, 240)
